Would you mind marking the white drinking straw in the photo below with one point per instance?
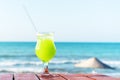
(35, 28)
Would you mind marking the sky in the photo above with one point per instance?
(70, 20)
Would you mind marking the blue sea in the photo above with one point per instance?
(20, 57)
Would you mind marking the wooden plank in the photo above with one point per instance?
(83, 75)
(32, 76)
(25, 76)
(103, 77)
(106, 78)
(54, 77)
(6, 76)
(76, 77)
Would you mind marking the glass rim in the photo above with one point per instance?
(45, 34)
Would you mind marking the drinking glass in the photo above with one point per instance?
(45, 50)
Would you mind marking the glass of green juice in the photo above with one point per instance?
(45, 49)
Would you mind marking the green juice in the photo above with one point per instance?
(45, 49)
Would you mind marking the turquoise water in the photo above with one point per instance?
(20, 57)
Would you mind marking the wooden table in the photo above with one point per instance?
(33, 76)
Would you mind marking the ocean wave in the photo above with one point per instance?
(58, 62)
(14, 63)
(64, 61)
(116, 74)
(38, 70)
(6, 56)
(115, 64)
(22, 69)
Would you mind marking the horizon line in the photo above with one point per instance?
(71, 41)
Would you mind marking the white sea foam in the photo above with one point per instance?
(112, 62)
(21, 69)
(35, 66)
(64, 61)
(12, 63)
(115, 74)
